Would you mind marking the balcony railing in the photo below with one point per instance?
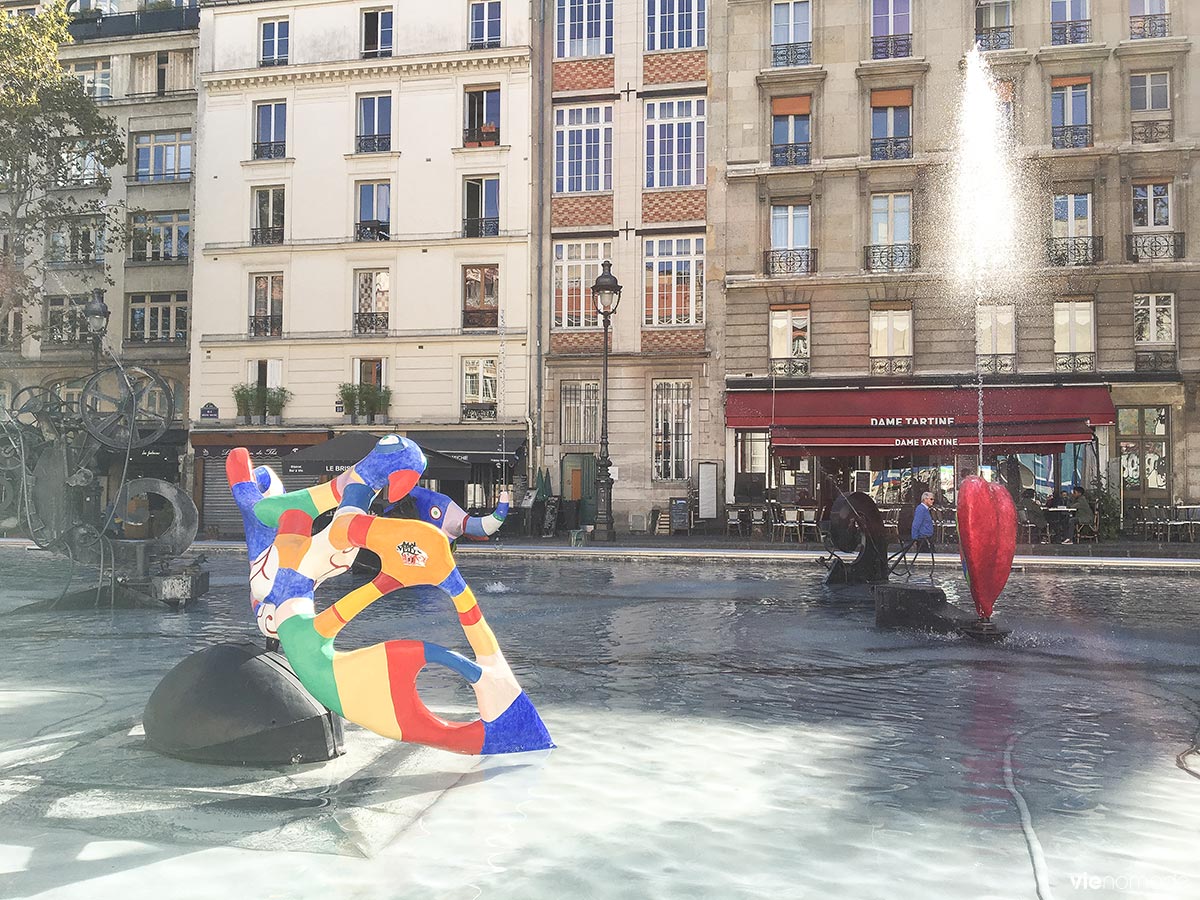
(266, 326)
(485, 227)
(377, 53)
(891, 46)
(1154, 26)
(483, 44)
(795, 261)
(158, 177)
(996, 363)
(485, 136)
(891, 148)
(373, 230)
(66, 334)
(269, 150)
(790, 367)
(480, 318)
(791, 154)
(373, 143)
(787, 55)
(891, 257)
(478, 411)
(1074, 251)
(371, 323)
(995, 38)
(1152, 131)
(91, 26)
(1075, 362)
(72, 261)
(1152, 245)
(140, 337)
(268, 61)
(891, 365)
(263, 236)
(1069, 137)
(1076, 32)
(1154, 361)
(157, 255)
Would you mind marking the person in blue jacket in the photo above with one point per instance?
(922, 526)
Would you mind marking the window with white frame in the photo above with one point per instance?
(675, 24)
(1154, 318)
(1069, 10)
(370, 370)
(674, 281)
(75, 242)
(1074, 330)
(672, 415)
(275, 35)
(891, 218)
(674, 143)
(484, 27)
(992, 14)
(376, 33)
(95, 75)
(791, 226)
(161, 236)
(791, 22)
(12, 332)
(158, 317)
(1070, 105)
(891, 17)
(162, 156)
(1072, 216)
(374, 205)
(374, 123)
(80, 165)
(269, 205)
(789, 334)
(479, 380)
(266, 295)
(1152, 206)
(65, 323)
(995, 331)
(891, 333)
(583, 28)
(1150, 91)
(580, 404)
(576, 266)
(270, 130)
(583, 143)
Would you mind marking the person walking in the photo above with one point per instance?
(922, 526)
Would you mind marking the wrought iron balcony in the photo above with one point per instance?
(268, 61)
(74, 260)
(371, 323)
(891, 148)
(1074, 362)
(1069, 137)
(378, 53)
(266, 326)
(261, 236)
(142, 337)
(373, 230)
(480, 318)
(796, 261)
(483, 44)
(373, 143)
(891, 365)
(789, 367)
(891, 257)
(1074, 251)
(996, 363)
(1152, 245)
(787, 55)
(269, 150)
(478, 411)
(791, 154)
(1076, 32)
(995, 38)
(1154, 26)
(485, 227)
(1154, 361)
(891, 46)
(1152, 131)
(484, 136)
(91, 25)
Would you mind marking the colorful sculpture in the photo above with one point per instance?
(376, 686)
(987, 534)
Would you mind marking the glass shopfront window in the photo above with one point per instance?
(1144, 448)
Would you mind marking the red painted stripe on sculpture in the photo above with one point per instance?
(471, 616)
(357, 531)
(417, 724)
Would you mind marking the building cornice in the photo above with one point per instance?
(362, 340)
(945, 381)
(508, 58)
(1153, 48)
(1073, 53)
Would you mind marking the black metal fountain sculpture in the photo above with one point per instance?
(856, 526)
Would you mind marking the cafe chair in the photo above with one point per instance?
(808, 522)
(788, 524)
(758, 519)
(1088, 531)
(733, 521)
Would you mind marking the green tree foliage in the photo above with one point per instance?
(56, 149)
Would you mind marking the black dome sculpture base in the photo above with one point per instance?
(238, 704)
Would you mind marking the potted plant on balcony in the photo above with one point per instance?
(348, 394)
(243, 399)
(489, 134)
(258, 406)
(276, 399)
(368, 402)
(383, 401)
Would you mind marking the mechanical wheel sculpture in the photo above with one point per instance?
(123, 408)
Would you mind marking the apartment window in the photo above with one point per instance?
(1150, 91)
(789, 335)
(479, 380)
(674, 269)
(162, 67)
(675, 24)
(481, 127)
(674, 143)
(161, 237)
(1149, 19)
(65, 323)
(267, 225)
(791, 131)
(370, 370)
(481, 207)
(12, 326)
(791, 226)
(374, 123)
(95, 75)
(80, 165)
(163, 156)
(266, 304)
(580, 402)
(891, 218)
(158, 317)
(75, 242)
(582, 149)
(266, 373)
(374, 211)
(993, 24)
(270, 130)
(1154, 318)
(485, 25)
(576, 266)
(1072, 215)
(995, 331)
(891, 333)
(376, 33)
(372, 289)
(891, 29)
(274, 44)
(1070, 101)
(481, 296)
(1073, 327)
(891, 124)
(1152, 206)
(791, 23)
(583, 28)
(672, 414)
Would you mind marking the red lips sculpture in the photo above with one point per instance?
(987, 535)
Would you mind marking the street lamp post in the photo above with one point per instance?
(96, 313)
(606, 296)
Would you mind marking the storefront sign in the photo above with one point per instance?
(210, 411)
(926, 442)
(909, 421)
